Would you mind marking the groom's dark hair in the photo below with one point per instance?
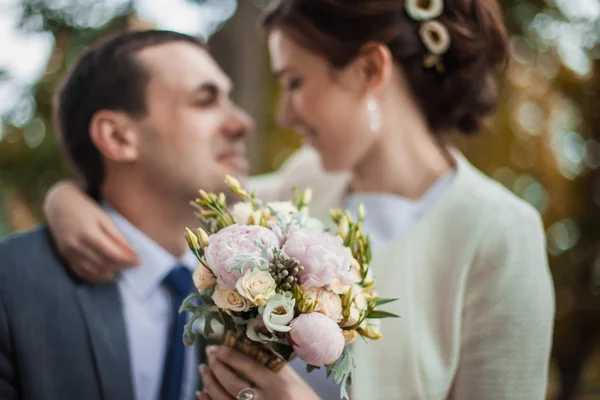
(107, 77)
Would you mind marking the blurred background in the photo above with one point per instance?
(543, 143)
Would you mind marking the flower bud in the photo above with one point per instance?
(306, 199)
(222, 198)
(361, 212)
(203, 237)
(233, 183)
(191, 239)
(343, 227)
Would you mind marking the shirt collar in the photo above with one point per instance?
(155, 262)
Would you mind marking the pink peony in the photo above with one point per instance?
(324, 257)
(316, 339)
(232, 242)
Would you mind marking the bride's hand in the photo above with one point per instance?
(222, 380)
(85, 235)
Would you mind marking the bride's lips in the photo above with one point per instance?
(237, 161)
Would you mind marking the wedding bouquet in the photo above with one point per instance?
(280, 284)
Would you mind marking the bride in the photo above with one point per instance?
(375, 87)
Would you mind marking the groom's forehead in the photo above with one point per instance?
(181, 65)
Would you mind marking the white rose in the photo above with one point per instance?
(279, 312)
(257, 331)
(241, 212)
(229, 299)
(328, 302)
(285, 208)
(256, 285)
(203, 278)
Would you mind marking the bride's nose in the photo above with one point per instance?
(286, 113)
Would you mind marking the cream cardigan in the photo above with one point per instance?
(476, 298)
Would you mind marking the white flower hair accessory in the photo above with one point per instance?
(433, 33)
(424, 10)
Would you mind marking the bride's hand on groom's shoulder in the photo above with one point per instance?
(85, 236)
(221, 379)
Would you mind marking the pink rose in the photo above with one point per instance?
(325, 259)
(232, 242)
(316, 339)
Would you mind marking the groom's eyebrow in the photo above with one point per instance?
(213, 88)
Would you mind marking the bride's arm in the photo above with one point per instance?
(85, 236)
(508, 313)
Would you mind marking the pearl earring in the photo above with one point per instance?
(373, 109)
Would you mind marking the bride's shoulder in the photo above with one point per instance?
(504, 223)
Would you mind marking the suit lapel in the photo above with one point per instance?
(103, 314)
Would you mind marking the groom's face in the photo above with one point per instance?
(193, 134)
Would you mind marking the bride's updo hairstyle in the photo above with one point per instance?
(449, 50)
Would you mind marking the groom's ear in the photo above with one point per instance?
(115, 136)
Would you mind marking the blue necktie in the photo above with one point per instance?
(179, 283)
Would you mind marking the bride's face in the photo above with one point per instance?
(327, 106)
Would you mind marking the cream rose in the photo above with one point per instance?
(256, 285)
(203, 278)
(230, 300)
(328, 302)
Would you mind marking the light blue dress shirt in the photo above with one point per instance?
(148, 313)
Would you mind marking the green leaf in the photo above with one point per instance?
(311, 368)
(381, 301)
(330, 370)
(381, 314)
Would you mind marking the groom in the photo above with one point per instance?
(146, 119)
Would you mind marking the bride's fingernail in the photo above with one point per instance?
(202, 369)
(211, 349)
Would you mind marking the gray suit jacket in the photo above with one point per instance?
(60, 338)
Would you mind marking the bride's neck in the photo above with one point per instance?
(404, 165)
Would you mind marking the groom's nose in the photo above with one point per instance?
(240, 124)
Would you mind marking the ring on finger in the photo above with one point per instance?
(247, 393)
